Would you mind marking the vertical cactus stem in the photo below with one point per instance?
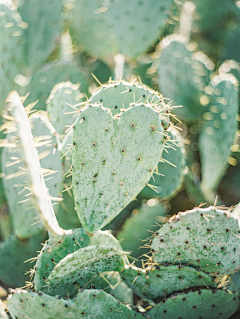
(38, 187)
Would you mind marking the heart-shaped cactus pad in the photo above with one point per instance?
(113, 159)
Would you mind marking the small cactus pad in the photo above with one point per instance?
(88, 303)
(168, 177)
(53, 252)
(137, 24)
(86, 262)
(161, 281)
(203, 303)
(113, 159)
(13, 255)
(178, 80)
(121, 95)
(89, 30)
(104, 238)
(3, 314)
(207, 238)
(58, 105)
(220, 125)
(40, 39)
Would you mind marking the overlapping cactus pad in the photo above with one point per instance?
(202, 303)
(160, 281)
(113, 159)
(207, 238)
(88, 303)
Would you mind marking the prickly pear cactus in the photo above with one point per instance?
(220, 123)
(216, 250)
(3, 314)
(125, 151)
(40, 305)
(158, 281)
(202, 303)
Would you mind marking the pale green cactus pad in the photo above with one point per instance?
(178, 80)
(85, 262)
(113, 159)
(160, 281)
(40, 39)
(32, 305)
(104, 238)
(168, 177)
(219, 124)
(120, 95)
(25, 214)
(88, 28)
(11, 28)
(52, 253)
(203, 303)
(62, 97)
(13, 255)
(3, 314)
(141, 24)
(50, 74)
(207, 238)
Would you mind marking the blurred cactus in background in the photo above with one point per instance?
(119, 143)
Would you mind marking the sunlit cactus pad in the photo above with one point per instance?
(113, 159)
(85, 262)
(161, 281)
(202, 303)
(29, 305)
(207, 238)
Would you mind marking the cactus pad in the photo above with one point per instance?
(220, 124)
(86, 262)
(121, 94)
(206, 238)
(39, 305)
(160, 281)
(125, 151)
(3, 314)
(203, 303)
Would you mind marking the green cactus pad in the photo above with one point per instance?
(89, 30)
(52, 253)
(88, 303)
(44, 29)
(178, 80)
(161, 281)
(34, 175)
(105, 238)
(10, 49)
(86, 262)
(3, 314)
(24, 212)
(13, 255)
(52, 73)
(125, 151)
(136, 230)
(61, 96)
(207, 238)
(138, 24)
(121, 94)
(203, 303)
(220, 125)
(169, 176)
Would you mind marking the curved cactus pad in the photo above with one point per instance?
(113, 159)
(159, 281)
(85, 262)
(207, 238)
(52, 253)
(204, 303)
(88, 303)
(121, 94)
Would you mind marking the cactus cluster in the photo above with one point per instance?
(108, 192)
